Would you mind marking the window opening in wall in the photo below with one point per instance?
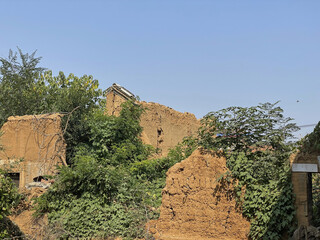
(15, 177)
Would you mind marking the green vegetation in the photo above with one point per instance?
(29, 89)
(316, 199)
(253, 140)
(111, 189)
(9, 197)
(310, 144)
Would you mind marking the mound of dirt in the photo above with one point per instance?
(195, 206)
(22, 216)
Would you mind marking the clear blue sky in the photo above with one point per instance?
(194, 56)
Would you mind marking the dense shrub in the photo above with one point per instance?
(9, 197)
(254, 141)
(152, 169)
(310, 144)
(112, 188)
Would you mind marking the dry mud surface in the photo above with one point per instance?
(33, 228)
(192, 208)
(164, 127)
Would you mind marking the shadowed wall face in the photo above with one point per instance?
(33, 146)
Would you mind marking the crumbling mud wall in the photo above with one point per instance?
(195, 206)
(163, 127)
(114, 102)
(33, 146)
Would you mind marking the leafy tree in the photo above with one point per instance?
(98, 196)
(77, 97)
(117, 139)
(29, 89)
(111, 189)
(255, 143)
(311, 142)
(21, 89)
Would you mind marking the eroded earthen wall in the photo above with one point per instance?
(33, 146)
(163, 127)
(194, 206)
(114, 102)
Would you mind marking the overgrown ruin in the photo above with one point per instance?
(33, 146)
(194, 203)
(163, 127)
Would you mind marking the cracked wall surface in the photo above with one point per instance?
(194, 206)
(33, 146)
(163, 127)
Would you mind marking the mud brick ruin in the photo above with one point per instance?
(33, 146)
(195, 206)
(163, 127)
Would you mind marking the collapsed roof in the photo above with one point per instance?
(123, 92)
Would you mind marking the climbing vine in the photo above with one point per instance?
(255, 143)
(310, 144)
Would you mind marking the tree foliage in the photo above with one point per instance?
(255, 142)
(111, 189)
(117, 139)
(98, 196)
(311, 142)
(77, 97)
(29, 89)
(20, 85)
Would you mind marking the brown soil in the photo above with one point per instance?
(195, 206)
(22, 216)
